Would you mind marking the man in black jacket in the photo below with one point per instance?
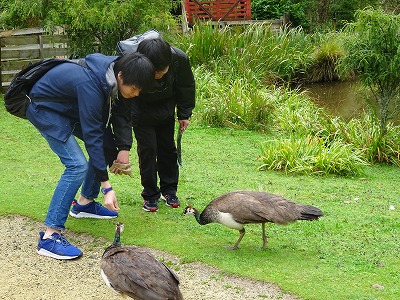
(152, 117)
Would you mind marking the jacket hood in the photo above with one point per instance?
(103, 69)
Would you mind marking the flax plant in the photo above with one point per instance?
(231, 103)
(365, 134)
(324, 60)
(273, 57)
(311, 155)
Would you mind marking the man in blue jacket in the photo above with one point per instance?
(72, 100)
(152, 116)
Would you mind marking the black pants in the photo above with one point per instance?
(157, 156)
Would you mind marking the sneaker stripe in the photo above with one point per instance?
(92, 210)
(82, 214)
(47, 253)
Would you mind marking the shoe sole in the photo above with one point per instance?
(89, 215)
(150, 210)
(47, 253)
(172, 205)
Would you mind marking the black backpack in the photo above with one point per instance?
(16, 99)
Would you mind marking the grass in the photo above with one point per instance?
(341, 256)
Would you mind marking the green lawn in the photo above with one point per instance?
(342, 256)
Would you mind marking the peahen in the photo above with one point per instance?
(133, 271)
(237, 208)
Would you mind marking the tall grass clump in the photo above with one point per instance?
(295, 113)
(305, 140)
(324, 59)
(365, 134)
(273, 57)
(311, 155)
(230, 103)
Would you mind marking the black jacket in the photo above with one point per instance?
(176, 89)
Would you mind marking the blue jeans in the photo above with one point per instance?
(77, 171)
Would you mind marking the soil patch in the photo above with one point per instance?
(26, 275)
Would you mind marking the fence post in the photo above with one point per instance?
(40, 46)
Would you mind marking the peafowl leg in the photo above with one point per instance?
(264, 237)
(236, 246)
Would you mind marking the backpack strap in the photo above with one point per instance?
(78, 61)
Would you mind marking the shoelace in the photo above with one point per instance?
(60, 239)
(171, 199)
(97, 206)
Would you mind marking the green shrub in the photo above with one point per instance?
(372, 45)
(324, 60)
(267, 56)
(231, 103)
(365, 134)
(311, 155)
(92, 26)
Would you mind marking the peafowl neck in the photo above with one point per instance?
(197, 216)
(203, 218)
(117, 238)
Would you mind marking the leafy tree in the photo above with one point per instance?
(372, 45)
(92, 25)
(274, 9)
(24, 13)
(314, 13)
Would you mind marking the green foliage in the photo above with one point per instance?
(24, 13)
(93, 26)
(99, 25)
(254, 51)
(317, 15)
(294, 113)
(275, 9)
(311, 155)
(231, 103)
(324, 59)
(365, 134)
(372, 45)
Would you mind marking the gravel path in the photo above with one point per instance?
(27, 275)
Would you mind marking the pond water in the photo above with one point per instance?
(344, 99)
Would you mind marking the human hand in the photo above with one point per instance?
(121, 169)
(123, 157)
(110, 201)
(183, 124)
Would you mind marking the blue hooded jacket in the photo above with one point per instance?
(86, 115)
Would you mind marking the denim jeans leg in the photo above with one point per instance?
(91, 185)
(76, 166)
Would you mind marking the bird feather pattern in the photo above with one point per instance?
(135, 272)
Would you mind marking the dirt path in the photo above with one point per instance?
(27, 275)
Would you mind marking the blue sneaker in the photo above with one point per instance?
(57, 246)
(91, 210)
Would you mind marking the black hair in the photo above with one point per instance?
(158, 51)
(136, 70)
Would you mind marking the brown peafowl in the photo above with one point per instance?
(133, 271)
(237, 208)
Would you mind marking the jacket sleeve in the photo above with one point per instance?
(184, 86)
(91, 104)
(121, 120)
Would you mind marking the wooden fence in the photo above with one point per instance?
(22, 46)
